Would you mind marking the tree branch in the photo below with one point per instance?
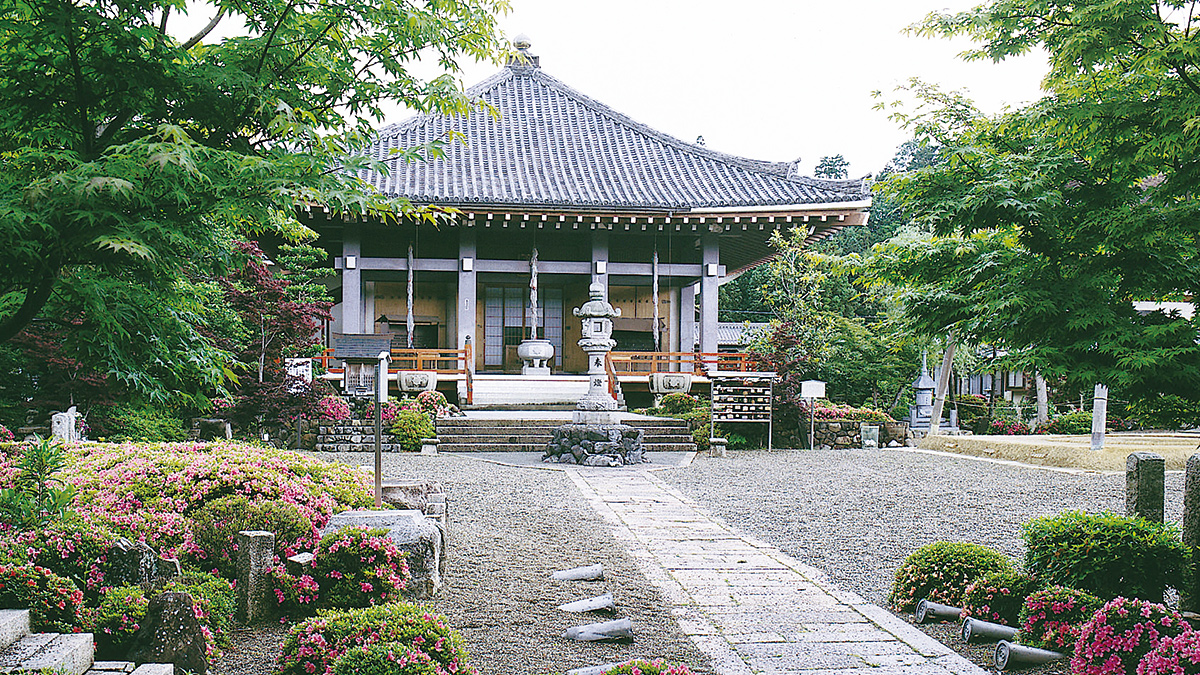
(271, 36)
(111, 129)
(195, 39)
(86, 130)
(35, 299)
(162, 24)
(304, 52)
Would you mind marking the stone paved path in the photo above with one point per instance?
(751, 608)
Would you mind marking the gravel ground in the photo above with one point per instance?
(856, 514)
(510, 528)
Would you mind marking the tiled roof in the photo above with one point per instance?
(551, 146)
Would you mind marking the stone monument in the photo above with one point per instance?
(595, 436)
(65, 425)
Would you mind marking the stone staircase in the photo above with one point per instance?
(71, 654)
(468, 434)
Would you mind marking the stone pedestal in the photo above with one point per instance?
(1144, 475)
(255, 554)
(1191, 532)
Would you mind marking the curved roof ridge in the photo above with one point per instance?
(476, 91)
(780, 169)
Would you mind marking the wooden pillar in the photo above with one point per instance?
(600, 259)
(465, 315)
(710, 282)
(352, 289)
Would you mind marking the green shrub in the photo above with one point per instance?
(143, 423)
(655, 667)
(678, 404)
(117, 619)
(38, 496)
(215, 526)
(1052, 618)
(315, 645)
(411, 427)
(1165, 411)
(1105, 553)
(54, 602)
(942, 571)
(1118, 635)
(699, 421)
(384, 658)
(998, 597)
(122, 610)
(1071, 423)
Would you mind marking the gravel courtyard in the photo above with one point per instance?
(856, 514)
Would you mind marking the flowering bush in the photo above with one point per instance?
(655, 667)
(1104, 553)
(123, 608)
(1179, 655)
(392, 409)
(434, 403)
(1052, 618)
(150, 491)
(998, 597)
(294, 594)
(1117, 636)
(332, 408)
(942, 571)
(6, 436)
(387, 658)
(54, 602)
(358, 567)
(1008, 428)
(216, 524)
(314, 646)
(71, 548)
(411, 427)
(824, 410)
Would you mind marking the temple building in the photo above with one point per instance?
(596, 196)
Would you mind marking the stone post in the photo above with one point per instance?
(255, 553)
(1144, 472)
(1190, 602)
(1099, 417)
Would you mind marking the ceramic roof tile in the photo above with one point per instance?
(551, 146)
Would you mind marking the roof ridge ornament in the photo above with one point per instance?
(793, 170)
(522, 60)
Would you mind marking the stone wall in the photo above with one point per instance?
(837, 435)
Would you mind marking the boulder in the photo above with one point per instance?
(413, 533)
(133, 563)
(170, 633)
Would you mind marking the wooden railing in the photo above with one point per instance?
(444, 361)
(614, 385)
(642, 363)
(441, 361)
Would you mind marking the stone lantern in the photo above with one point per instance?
(596, 339)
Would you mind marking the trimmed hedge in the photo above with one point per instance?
(942, 571)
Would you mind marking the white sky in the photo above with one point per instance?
(765, 79)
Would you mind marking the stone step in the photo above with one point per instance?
(14, 625)
(525, 439)
(358, 447)
(66, 654)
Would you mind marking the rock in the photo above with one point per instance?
(299, 564)
(620, 629)
(65, 425)
(590, 604)
(255, 555)
(587, 573)
(134, 563)
(411, 494)
(170, 633)
(213, 429)
(1144, 476)
(413, 533)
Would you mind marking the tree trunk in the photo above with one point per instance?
(939, 402)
